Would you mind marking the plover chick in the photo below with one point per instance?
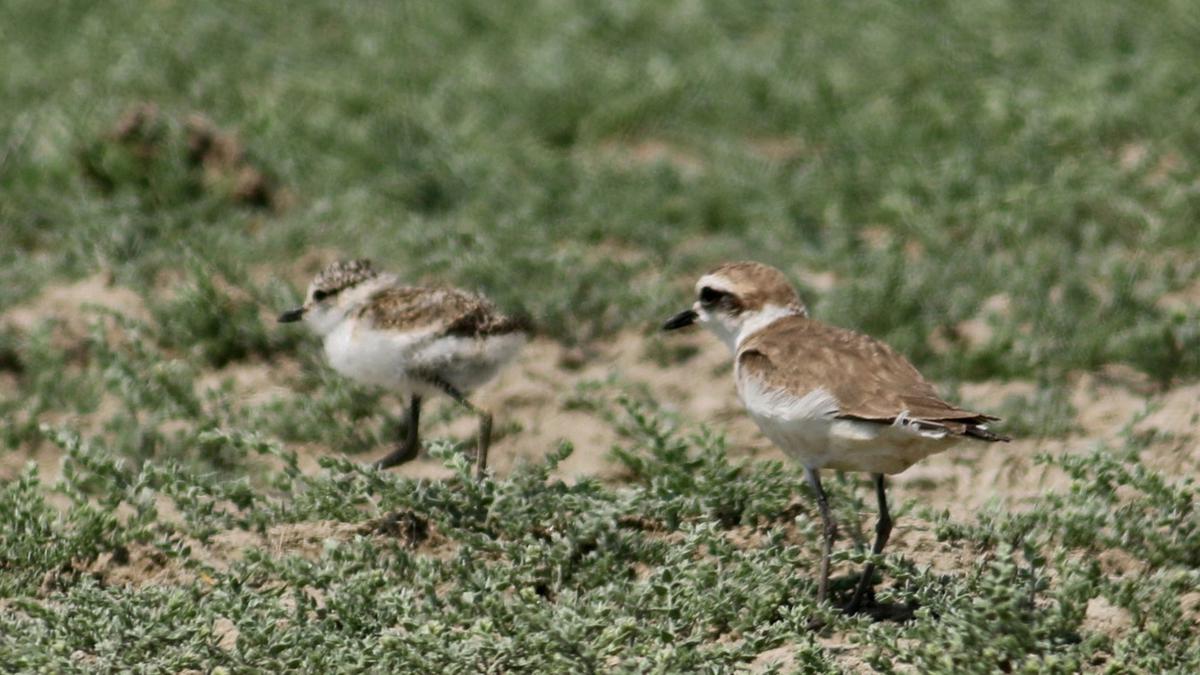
(829, 397)
(416, 341)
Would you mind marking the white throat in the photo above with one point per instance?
(760, 320)
(733, 332)
(324, 319)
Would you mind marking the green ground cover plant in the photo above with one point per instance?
(1006, 192)
(698, 562)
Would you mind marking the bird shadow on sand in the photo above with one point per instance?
(876, 611)
(888, 611)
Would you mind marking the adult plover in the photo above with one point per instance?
(827, 396)
(414, 340)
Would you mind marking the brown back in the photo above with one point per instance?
(870, 380)
(449, 311)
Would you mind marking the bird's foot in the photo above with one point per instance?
(404, 453)
(863, 601)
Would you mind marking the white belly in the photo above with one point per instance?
(373, 357)
(404, 361)
(467, 362)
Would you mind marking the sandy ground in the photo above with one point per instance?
(531, 402)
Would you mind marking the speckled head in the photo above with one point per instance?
(739, 298)
(341, 275)
(331, 291)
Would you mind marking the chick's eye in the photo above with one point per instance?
(709, 295)
(320, 295)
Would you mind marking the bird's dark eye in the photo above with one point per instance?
(710, 296)
(320, 295)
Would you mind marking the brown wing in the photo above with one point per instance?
(870, 381)
(448, 311)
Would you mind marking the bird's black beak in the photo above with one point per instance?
(681, 320)
(292, 315)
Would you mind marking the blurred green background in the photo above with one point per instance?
(583, 161)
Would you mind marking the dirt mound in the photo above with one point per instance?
(222, 158)
(167, 160)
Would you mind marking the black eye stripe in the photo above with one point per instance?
(321, 294)
(709, 295)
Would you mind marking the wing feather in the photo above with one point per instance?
(870, 381)
(442, 311)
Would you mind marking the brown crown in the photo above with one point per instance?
(344, 274)
(757, 285)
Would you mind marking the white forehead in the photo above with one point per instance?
(715, 282)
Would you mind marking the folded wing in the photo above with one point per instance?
(442, 311)
(869, 380)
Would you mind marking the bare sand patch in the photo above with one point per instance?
(780, 148)
(252, 383)
(970, 475)
(650, 151)
(1107, 619)
(535, 393)
(782, 658)
(69, 305)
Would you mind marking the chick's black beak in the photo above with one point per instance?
(292, 315)
(680, 320)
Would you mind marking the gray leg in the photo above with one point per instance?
(410, 446)
(485, 424)
(830, 532)
(883, 529)
(485, 442)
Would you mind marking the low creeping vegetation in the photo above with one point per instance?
(1003, 191)
(698, 563)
